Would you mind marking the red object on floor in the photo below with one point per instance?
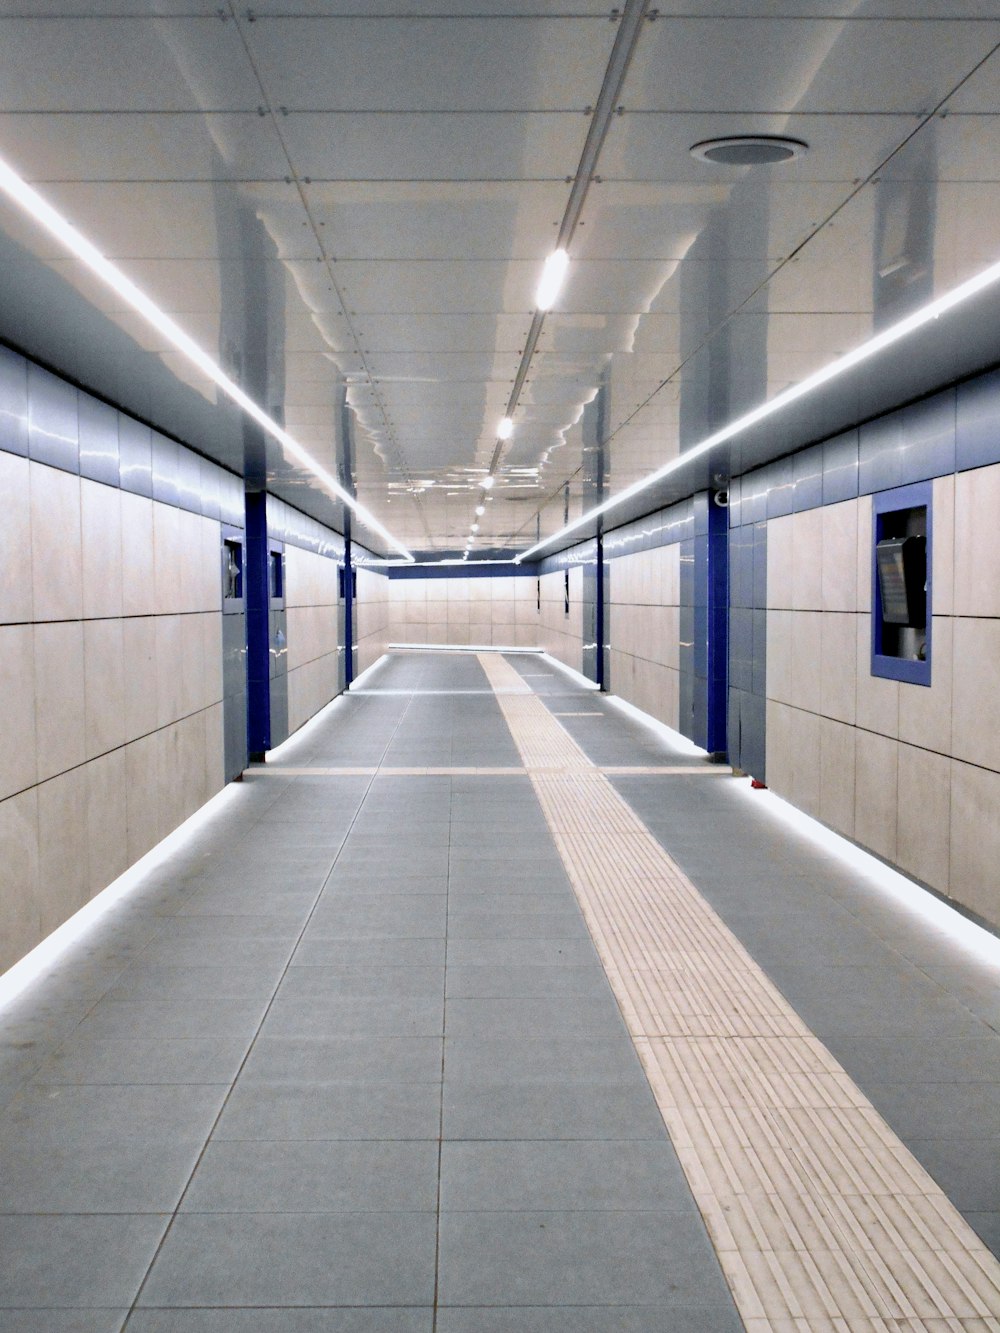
(758, 786)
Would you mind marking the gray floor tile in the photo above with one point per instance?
(385, 982)
(214, 952)
(367, 1320)
(78, 1261)
(537, 1016)
(564, 1176)
(721, 1318)
(355, 883)
(475, 924)
(146, 981)
(370, 1110)
(314, 1177)
(917, 1059)
(892, 998)
(109, 1178)
(227, 930)
(137, 1020)
(503, 952)
(192, 1060)
(534, 904)
(240, 1259)
(540, 1060)
(577, 1258)
(333, 1060)
(551, 1110)
(286, 904)
(368, 952)
(87, 1149)
(355, 1016)
(515, 980)
(939, 1110)
(63, 1321)
(392, 916)
(968, 1170)
(987, 1227)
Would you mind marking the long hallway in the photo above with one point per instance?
(394, 1040)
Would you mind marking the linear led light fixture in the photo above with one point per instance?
(893, 334)
(551, 281)
(27, 198)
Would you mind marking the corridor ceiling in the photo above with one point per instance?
(352, 200)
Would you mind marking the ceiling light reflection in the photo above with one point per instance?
(551, 281)
(871, 347)
(77, 244)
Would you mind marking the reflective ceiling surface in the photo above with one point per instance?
(348, 204)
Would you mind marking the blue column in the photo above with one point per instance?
(257, 575)
(349, 657)
(710, 625)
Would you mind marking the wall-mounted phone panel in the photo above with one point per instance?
(901, 584)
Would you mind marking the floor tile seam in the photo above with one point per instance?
(135, 1303)
(762, 969)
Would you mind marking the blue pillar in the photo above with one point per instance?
(258, 593)
(349, 662)
(711, 625)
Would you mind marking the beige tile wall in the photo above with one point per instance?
(312, 592)
(909, 771)
(561, 635)
(645, 630)
(371, 617)
(110, 687)
(492, 612)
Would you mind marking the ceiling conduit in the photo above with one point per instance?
(630, 24)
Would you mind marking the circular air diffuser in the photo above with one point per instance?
(748, 150)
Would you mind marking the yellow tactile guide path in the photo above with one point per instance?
(822, 1219)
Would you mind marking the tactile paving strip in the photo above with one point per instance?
(821, 1217)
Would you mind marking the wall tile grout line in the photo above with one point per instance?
(817, 1211)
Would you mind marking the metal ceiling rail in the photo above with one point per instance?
(630, 21)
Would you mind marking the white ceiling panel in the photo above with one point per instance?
(440, 368)
(437, 219)
(432, 64)
(443, 333)
(136, 64)
(763, 64)
(417, 146)
(151, 147)
(656, 147)
(980, 93)
(438, 287)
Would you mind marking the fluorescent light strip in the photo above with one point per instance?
(925, 315)
(552, 279)
(77, 244)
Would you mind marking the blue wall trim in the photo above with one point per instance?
(45, 418)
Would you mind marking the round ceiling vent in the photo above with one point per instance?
(748, 150)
